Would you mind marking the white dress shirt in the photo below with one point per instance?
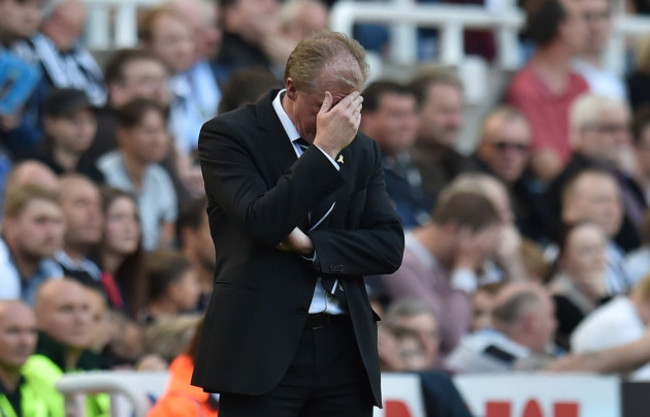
(321, 302)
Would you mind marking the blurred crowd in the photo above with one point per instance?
(533, 247)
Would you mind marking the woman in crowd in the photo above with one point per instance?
(173, 285)
(579, 286)
(143, 143)
(120, 254)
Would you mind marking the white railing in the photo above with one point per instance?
(130, 391)
(113, 24)
(451, 20)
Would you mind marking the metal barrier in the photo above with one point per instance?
(113, 24)
(451, 20)
(487, 395)
(136, 388)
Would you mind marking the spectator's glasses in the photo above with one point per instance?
(610, 129)
(504, 146)
(591, 17)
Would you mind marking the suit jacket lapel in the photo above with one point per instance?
(275, 141)
(325, 215)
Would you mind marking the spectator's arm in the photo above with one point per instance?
(619, 359)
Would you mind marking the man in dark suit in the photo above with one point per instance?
(298, 213)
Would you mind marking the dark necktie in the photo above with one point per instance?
(321, 210)
(303, 144)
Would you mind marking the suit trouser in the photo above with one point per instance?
(326, 378)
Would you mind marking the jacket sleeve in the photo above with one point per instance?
(234, 181)
(377, 246)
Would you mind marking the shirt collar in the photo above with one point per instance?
(420, 251)
(287, 124)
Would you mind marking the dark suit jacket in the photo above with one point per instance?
(257, 193)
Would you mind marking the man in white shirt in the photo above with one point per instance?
(590, 64)
(623, 320)
(524, 324)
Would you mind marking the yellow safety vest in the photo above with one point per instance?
(31, 404)
(44, 374)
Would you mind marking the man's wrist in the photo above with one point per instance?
(331, 151)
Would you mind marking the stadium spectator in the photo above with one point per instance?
(124, 348)
(624, 320)
(594, 196)
(134, 73)
(32, 232)
(120, 254)
(535, 265)
(99, 311)
(31, 172)
(591, 62)
(18, 396)
(389, 117)
(143, 143)
(600, 134)
(28, 172)
(81, 203)
(206, 78)
(521, 338)
(168, 34)
(545, 88)
(58, 49)
(64, 63)
(619, 359)
(18, 123)
(504, 151)
(638, 81)
(247, 86)
(641, 138)
(483, 304)
(198, 247)
(252, 36)
(579, 286)
(637, 263)
(69, 127)
(173, 285)
(130, 74)
(170, 336)
(302, 18)
(414, 322)
(180, 396)
(506, 262)
(439, 96)
(442, 258)
(208, 33)
(64, 316)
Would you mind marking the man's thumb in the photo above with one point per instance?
(327, 102)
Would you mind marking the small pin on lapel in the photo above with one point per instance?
(340, 159)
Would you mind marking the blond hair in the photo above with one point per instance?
(315, 52)
(16, 199)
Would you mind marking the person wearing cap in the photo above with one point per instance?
(69, 126)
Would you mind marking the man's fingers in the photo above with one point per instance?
(327, 102)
